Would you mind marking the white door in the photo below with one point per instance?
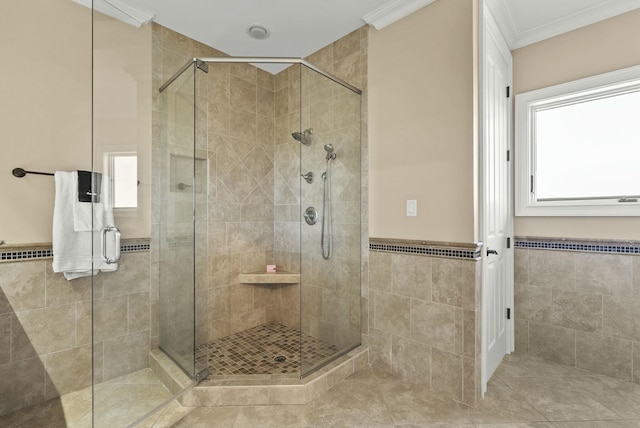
(497, 284)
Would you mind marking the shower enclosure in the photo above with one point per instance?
(257, 169)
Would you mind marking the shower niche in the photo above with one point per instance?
(249, 140)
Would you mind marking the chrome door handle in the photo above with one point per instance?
(489, 252)
(116, 231)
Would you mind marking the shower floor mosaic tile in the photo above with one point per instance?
(255, 351)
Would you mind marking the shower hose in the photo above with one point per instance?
(326, 213)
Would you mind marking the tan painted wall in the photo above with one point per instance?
(598, 48)
(421, 124)
(45, 109)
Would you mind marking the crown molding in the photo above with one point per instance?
(393, 11)
(517, 38)
(119, 10)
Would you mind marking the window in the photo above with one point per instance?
(123, 171)
(578, 147)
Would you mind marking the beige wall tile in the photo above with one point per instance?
(636, 362)
(68, 371)
(244, 395)
(60, 291)
(578, 311)
(454, 282)
(605, 355)
(380, 266)
(126, 354)
(380, 347)
(459, 331)
(243, 94)
(265, 80)
(521, 266)
(109, 317)
(391, 314)
(20, 343)
(556, 269)
(553, 343)
(411, 276)
(470, 388)
(533, 303)
(22, 385)
(348, 69)
(472, 329)
(132, 275)
(344, 47)
(447, 373)
(607, 274)
(49, 329)
(5, 338)
(621, 317)
(411, 360)
(521, 335)
(23, 285)
(83, 322)
(138, 312)
(433, 324)
(244, 71)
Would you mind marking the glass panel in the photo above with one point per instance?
(330, 249)
(588, 149)
(123, 300)
(176, 258)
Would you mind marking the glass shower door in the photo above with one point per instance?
(176, 241)
(330, 249)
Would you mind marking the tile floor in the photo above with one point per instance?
(252, 352)
(524, 392)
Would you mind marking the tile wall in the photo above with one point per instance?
(45, 328)
(579, 308)
(425, 321)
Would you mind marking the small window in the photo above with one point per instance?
(578, 147)
(123, 171)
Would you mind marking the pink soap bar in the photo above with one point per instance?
(271, 268)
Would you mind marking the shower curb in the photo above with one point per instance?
(265, 391)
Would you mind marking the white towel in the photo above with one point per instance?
(83, 211)
(72, 250)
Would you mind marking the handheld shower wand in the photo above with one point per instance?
(326, 205)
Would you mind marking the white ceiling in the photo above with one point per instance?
(301, 27)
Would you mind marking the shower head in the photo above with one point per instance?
(304, 137)
(330, 153)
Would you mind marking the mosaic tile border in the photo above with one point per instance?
(585, 246)
(45, 252)
(428, 248)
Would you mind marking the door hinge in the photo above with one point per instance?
(508, 91)
(508, 155)
(508, 313)
(508, 242)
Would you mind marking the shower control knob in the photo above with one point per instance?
(308, 177)
(311, 216)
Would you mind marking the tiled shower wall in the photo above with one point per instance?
(306, 99)
(425, 321)
(580, 309)
(45, 328)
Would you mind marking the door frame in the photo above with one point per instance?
(489, 28)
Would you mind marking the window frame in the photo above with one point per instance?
(526, 105)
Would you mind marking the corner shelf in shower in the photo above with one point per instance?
(269, 278)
